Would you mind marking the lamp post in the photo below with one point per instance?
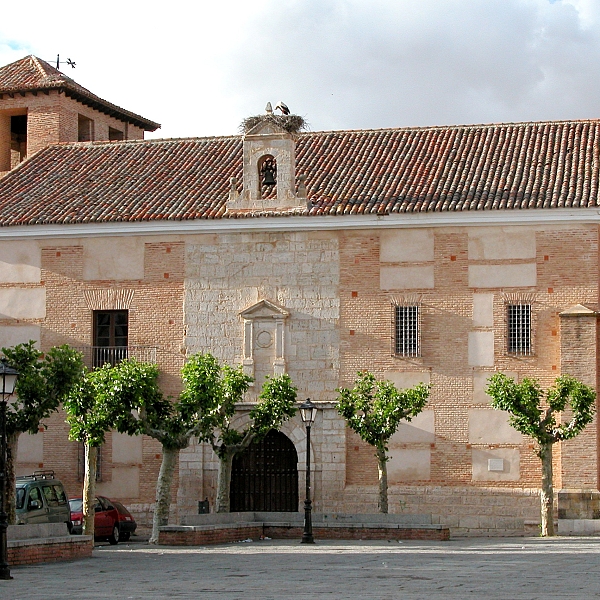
(8, 381)
(308, 412)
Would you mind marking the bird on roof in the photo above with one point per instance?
(283, 108)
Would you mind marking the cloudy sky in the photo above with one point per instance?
(199, 68)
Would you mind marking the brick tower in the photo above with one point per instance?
(40, 106)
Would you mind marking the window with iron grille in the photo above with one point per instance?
(110, 336)
(519, 329)
(407, 331)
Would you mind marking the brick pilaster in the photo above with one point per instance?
(579, 351)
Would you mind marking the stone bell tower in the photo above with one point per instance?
(269, 173)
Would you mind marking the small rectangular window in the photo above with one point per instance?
(519, 329)
(85, 129)
(114, 135)
(407, 331)
(18, 139)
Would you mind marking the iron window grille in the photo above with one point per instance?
(407, 331)
(519, 329)
(110, 336)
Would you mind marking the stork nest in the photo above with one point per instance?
(289, 123)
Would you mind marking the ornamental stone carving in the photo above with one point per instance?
(264, 340)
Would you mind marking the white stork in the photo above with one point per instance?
(283, 108)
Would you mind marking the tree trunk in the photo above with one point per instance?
(89, 489)
(383, 483)
(224, 482)
(163, 491)
(547, 493)
(12, 440)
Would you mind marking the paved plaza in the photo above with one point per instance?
(512, 568)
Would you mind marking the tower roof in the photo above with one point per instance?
(32, 74)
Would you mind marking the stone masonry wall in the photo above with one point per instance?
(227, 274)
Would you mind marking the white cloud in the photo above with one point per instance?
(200, 68)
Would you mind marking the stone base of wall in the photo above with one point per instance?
(144, 514)
(33, 551)
(579, 527)
(467, 511)
(579, 504)
(236, 527)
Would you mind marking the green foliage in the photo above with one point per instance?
(212, 391)
(106, 397)
(374, 409)
(276, 404)
(533, 412)
(43, 383)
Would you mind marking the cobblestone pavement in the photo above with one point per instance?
(511, 568)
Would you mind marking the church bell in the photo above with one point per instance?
(268, 178)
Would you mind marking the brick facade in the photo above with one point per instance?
(192, 289)
(52, 118)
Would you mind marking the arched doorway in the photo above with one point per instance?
(264, 478)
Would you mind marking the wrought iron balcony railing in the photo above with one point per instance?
(97, 356)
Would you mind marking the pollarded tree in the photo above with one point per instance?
(104, 401)
(163, 420)
(216, 390)
(374, 409)
(44, 382)
(534, 413)
(173, 424)
(276, 404)
(213, 390)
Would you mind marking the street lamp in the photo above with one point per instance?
(308, 412)
(8, 381)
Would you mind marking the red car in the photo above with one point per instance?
(112, 521)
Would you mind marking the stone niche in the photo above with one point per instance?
(266, 141)
(264, 340)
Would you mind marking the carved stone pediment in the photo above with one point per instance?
(266, 128)
(264, 310)
(579, 310)
(264, 339)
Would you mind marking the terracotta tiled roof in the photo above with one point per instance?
(31, 74)
(469, 168)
